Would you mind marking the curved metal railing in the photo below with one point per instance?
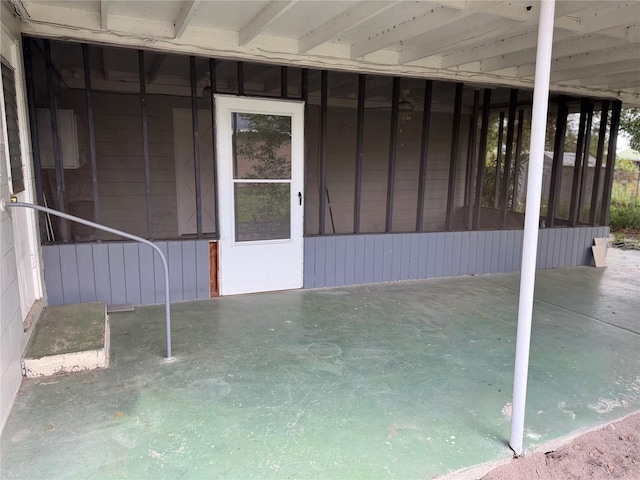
(104, 228)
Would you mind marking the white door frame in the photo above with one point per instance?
(24, 221)
(265, 265)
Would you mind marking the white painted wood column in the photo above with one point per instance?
(531, 222)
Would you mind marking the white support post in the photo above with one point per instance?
(532, 219)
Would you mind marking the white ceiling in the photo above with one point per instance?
(596, 43)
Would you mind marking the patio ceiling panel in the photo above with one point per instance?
(489, 41)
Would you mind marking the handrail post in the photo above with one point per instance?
(165, 266)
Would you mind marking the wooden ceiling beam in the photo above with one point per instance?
(342, 22)
(267, 16)
(185, 16)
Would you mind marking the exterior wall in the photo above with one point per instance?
(10, 311)
(20, 265)
(125, 272)
(361, 259)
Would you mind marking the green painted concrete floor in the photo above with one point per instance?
(403, 380)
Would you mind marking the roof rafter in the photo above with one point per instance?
(505, 24)
(577, 73)
(610, 79)
(628, 54)
(104, 14)
(438, 40)
(346, 20)
(269, 14)
(572, 46)
(184, 16)
(438, 16)
(503, 46)
(595, 20)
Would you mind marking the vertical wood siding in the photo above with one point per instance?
(125, 272)
(360, 259)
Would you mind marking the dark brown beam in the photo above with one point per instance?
(516, 166)
(92, 135)
(577, 170)
(471, 149)
(585, 162)
(506, 176)
(558, 156)
(496, 182)
(214, 89)
(57, 149)
(196, 144)
(323, 151)
(304, 85)
(362, 82)
(240, 71)
(602, 133)
(393, 141)
(611, 159)
(284, 82)
(33, 129)
(482, 157)
(453, 159)
(145, 142)
(424, 147)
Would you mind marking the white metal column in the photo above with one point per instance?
(532, 218)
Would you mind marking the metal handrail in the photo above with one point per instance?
(15, 203)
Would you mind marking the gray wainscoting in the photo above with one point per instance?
(131, 273)
(358, 259)
(125, 272)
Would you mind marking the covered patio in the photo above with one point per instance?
(401, 380)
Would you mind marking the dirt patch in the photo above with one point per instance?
(611, 452)
(626, 238)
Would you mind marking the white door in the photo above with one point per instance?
(185, 173)
(261, 177)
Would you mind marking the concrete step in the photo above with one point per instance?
(68, 338)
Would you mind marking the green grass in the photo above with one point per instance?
(625, 208)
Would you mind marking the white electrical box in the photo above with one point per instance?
(68, 134)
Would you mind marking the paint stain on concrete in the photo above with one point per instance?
(123, 439)
(20, 435)
(209, 389)
(605, 405)
(324, 350)
(506, 411)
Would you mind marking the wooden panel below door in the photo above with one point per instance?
(214, 286)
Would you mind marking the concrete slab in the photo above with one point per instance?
(68, 338)
(403, 380)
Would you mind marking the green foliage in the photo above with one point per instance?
(263, 147)
(630, 123)
(625, 207)
(262, 141)
(625, 215)
(625, 165)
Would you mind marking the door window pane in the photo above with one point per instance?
(262, 211)
(262, 146)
